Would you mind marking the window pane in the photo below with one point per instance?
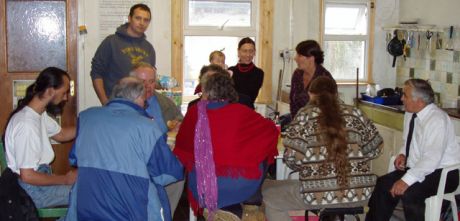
(343, 57)
(343, 19)
(196, 54)
(218, 13)
(36, 33)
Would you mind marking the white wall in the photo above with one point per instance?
(386, 13)
(294, 21)
(442, 13)
(158, 33)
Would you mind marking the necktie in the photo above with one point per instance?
(409, 135)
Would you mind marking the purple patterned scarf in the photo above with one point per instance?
(204, 162)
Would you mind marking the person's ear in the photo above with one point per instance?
(50, 92)
(140, 101)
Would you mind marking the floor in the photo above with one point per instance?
(182, 210)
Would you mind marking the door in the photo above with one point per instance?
(33, 36)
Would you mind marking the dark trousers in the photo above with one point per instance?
(382, 204)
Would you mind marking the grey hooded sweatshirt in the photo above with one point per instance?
(117, 54)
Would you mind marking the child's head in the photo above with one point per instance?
(217, 57)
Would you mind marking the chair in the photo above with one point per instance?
(44, 212)
(434, 203)
(287, 173)
(341, 212)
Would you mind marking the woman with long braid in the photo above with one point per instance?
(330, 144)
(27, 144)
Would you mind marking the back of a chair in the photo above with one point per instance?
(2, 158)
(434, 203)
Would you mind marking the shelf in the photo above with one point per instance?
(414, 27)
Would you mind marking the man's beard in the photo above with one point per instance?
(55, 109)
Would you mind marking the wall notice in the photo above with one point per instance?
(113, 13)
(19, 90)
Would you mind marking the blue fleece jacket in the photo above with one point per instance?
(123, 165)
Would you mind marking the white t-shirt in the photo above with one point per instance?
(27, 139)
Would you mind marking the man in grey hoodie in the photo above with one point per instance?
(118, 53)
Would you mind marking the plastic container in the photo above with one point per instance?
(389, 100)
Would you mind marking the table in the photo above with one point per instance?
(282, 171)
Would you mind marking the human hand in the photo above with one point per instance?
(173, 125)
(71, 177)
(399, 188)
(400, 162)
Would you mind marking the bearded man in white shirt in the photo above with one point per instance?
(430, 145)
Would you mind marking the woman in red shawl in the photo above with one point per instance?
(225, 148)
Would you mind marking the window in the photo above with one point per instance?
(213, 25)
(346, 39)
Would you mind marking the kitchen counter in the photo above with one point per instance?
(394, 108)
(391, 116)
(452, 112)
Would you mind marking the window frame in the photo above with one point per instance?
(231, 31)
(217, 30)
(368, 38)
(264, 43)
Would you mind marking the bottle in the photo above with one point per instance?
(276, 120)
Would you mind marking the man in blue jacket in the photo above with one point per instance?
(164, 111)
(123, 160)
(161, 108)
(117, 54)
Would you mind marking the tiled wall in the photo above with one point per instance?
(440, 66)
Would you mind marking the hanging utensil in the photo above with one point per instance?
(418, 41)
(449, 45)
(412, 40)
(428, 35)
(396, 46)
(388, 37)
(438, 41)
(406, 51)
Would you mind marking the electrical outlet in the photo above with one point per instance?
(282, 53)
(287, 54)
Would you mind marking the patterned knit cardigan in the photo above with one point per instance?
(305, 153)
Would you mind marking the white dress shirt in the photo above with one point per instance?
(433, 145)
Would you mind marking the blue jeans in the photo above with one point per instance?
(47, 196)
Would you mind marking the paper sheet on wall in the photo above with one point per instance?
(113, 13)
(19, 90)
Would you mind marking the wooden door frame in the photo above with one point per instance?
(70, 110)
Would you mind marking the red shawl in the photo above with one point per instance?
(242, 139)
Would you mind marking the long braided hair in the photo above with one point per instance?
(331, 125)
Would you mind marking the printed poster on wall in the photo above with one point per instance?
(113, 13)
(19, 90)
